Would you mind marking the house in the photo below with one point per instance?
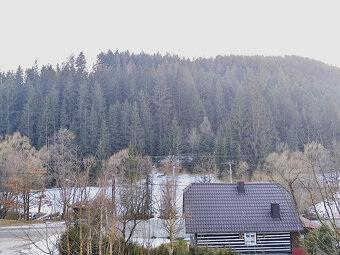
(252, 218)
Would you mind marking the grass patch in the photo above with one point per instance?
(6, 223)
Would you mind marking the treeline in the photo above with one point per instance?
(232, 108)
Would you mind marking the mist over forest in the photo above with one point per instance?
(229, 107)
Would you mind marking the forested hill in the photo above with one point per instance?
(232, 107)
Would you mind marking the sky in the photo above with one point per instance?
(51, 31)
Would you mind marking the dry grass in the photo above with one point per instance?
(6, 223)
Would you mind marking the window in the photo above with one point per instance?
(250, 238)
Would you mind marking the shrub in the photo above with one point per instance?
(119, 246)
(180, 248)
(321, 240)
(12, 215)
(210, 251)
(74, 240)
(122, 248)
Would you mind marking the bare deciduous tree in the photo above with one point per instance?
(312, 177)
(22, 174)
(131, 174)
(206, 168)
(170, 205)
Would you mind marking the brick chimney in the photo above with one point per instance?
(240, 187)
(275, 210)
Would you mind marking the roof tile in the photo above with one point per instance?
(217, 207)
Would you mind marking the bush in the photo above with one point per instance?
(180, 248)
(12, 215)
(321, 240)
(122, 248)
(74, 240)
(119, 246)
(210, 251)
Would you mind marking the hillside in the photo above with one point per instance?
(231, 107)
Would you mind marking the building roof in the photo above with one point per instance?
(308, 223)
(219, 208)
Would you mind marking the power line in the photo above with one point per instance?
(196, 156)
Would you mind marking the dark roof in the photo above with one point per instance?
(219, 208)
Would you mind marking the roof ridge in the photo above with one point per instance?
(230, 183)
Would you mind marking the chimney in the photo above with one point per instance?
(240, 187)
(275, 210)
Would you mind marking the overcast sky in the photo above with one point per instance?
(50, 31)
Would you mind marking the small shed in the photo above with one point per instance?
(251, 218)
(308, 224)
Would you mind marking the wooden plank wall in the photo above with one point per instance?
(265, 242)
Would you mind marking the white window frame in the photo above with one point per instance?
(250, 239)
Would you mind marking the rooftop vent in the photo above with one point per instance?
(240, 187)
(275, 210)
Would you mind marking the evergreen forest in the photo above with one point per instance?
(229, 107)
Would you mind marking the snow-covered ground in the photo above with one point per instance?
(329, 209)
(52, 203)
(30, 239)
(149, 233)
(42, 247)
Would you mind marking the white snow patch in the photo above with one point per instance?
(52, 203)
(43, 247)
(183, 180)
(328, 209)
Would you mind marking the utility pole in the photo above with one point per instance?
(230, 172)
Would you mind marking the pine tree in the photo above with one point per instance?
(161, 106)
(125, 122)
(220, 111)
(136, 131)
(82, 116)
(174, 138)
(206, 137)
(252, 127)
(187, 102)
(27, 118)
(102, 150)
(8, 96)
(114, 128)
(81, 63)
(146, 123)
(221, 148)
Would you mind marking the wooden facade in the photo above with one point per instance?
(268, 243)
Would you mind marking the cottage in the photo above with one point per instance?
(253, 218)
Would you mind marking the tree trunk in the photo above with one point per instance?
(40, 201)
(172, 239)
(27, 205)
(81, 241)
(132, 230)
(68, 239)
(100, 231)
